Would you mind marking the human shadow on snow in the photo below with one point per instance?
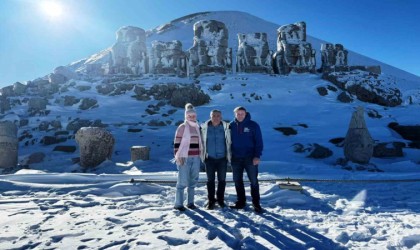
(279, 235)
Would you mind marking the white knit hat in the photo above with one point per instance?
(189, 109)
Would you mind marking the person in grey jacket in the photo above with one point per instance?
(216, 149)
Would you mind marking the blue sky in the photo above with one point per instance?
(33, 42)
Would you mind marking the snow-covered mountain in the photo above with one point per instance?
(240, 22)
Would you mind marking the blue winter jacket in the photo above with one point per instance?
(246, 138)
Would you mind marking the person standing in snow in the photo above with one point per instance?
(216, 155)
(247, 147)
(187, 150)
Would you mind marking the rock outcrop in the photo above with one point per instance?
(293, 53)
(367, 87)
(210, 52)
(253, 54)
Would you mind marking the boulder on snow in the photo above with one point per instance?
(388, 149)
(95, 144)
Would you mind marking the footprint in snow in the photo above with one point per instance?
(115, 220)
(172, 241)
(159, 219)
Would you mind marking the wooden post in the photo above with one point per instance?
(140, 153)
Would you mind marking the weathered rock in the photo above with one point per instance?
(287, 130)
(129, 53)
(140, 153)
(168, 58)
(19, 88)
(139, 90)
(293, 53)
(66, 72)
(43, 126)
(56, 78)
(8, 144)
(4, 104)
(344, 97)
(358, 144)
(64, 148)
(79, 123)
(70, 100)
(49, 140)
(105, 89)
(36, 157)
(388, 149)
(88, 103)
(322, 91)
(188, 94)
(7, 91)
(408, 132)
(319, 152)
(253, 54)
(37, 104)
(83, 87)
(339, 141)
(367, 87)
(210, 52)
(95, 144)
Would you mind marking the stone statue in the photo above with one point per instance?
(253, 54)
(8, 144)
(210, 52)
(96, 145)
(293, 53)
(358, 144)
(128, 54)
(333, 57)
(168, 58)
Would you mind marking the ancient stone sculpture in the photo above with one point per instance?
(128, 54)
(333, 58)
(210, 52)
(293, 52)
(253, 54)
(96, 145)
(8, 144)
(358, 144)
(168, 58)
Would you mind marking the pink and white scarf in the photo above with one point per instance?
(184, 147)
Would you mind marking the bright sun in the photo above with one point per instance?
(52, 9)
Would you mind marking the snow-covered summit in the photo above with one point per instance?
(240, 22)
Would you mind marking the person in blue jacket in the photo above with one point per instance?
(247, 147)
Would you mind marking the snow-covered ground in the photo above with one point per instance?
(84, 211)
(49, 207)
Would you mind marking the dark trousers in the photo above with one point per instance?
(238, 167)
(214, 166)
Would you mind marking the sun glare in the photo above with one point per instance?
(52, 9)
